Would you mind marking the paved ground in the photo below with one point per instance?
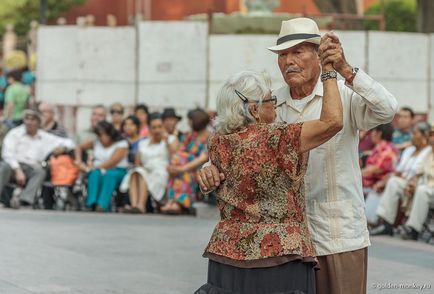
(50, 252)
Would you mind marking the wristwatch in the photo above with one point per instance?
(350, 79)
(328, 75)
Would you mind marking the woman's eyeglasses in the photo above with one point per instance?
(243, 98)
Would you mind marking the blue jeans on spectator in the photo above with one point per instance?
(100, 187)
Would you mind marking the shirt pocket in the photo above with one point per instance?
(332, 220)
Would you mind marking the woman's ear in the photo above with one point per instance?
(254, 110)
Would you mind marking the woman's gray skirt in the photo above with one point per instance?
(293, 277)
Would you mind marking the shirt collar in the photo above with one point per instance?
(37, 136)
(286, 95)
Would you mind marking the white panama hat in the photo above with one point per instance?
(296, 31)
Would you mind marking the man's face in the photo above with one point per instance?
(47, 113)
(405, 121)
(170, 124)
(299, 64)
(98, 114)
(31, 123)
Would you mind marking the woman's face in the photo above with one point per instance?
(117, 115)
(104, 139)
(156, 129)
(142, 116)
(419, 140)
(130, 129)
(375, 136)
(267, 112)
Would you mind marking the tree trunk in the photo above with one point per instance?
(341, 7)
(425, 19)
(337, 6)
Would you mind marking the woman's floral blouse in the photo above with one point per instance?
(261, 202)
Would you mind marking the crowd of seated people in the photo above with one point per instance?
(141, 157)
(397, 169)
(145, 160)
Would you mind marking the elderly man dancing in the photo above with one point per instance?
(333, 185)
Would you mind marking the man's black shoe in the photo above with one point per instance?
(408, 233)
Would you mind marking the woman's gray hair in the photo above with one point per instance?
(232, 112)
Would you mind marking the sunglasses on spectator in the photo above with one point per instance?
(113, 111)
(243, 98)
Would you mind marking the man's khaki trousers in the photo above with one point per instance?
(342, 273)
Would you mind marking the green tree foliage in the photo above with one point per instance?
(400, 15)
(22, 12)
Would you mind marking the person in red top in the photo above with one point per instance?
(262, 243)
(383, 158)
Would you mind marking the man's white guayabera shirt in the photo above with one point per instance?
(335, 202)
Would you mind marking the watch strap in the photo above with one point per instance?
(328, 75)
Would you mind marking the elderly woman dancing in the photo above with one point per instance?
(262, 243)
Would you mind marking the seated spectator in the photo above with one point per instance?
(107, 167)
(183, 186)
(411, 161)
(383, 158)
(150, 176)
(117, 115)
(98, 114)
(365, 146)
(49, 124)
(130, 129)
(402, 134)
(24, 149)
(16, 99)
(170, 120)
(421, 190)
(141, 111)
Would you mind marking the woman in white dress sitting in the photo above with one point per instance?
(150, 176)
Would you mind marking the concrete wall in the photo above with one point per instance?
(230, 54)
(173, 64)
(178, 64)
(431, 73)
(400, 62)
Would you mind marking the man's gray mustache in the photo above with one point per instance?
(291, 70)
